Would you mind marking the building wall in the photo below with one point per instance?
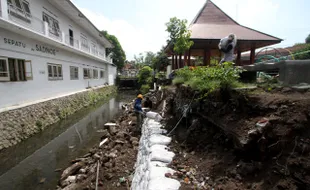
(37, 8)
(13, 93)
(20, 124)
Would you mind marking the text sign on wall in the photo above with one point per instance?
(14, 42)
(45, 49)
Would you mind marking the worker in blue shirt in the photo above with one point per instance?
(138, 110)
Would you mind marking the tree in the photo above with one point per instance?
(146, 60)
(179, 35)
(145, 78)
(308, 39)
(117, 53)
(161, 60)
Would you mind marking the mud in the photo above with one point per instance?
(219, 144)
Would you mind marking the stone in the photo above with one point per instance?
(108, 176)
(72, 170)
(80, 177)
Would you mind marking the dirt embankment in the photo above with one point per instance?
(116, 159)
(255, 140)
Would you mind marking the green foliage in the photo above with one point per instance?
(117, 53)
(145, 75)
(178, 80)
(302, 56)
(144, 60)
(161, 75)
(209, 78)
(179, 35)
(308, 39)
(145, 88)
(161, 60)
(145, 78)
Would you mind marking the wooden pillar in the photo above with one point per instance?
(238, 61)
(252, 55)
(176, 61)
(207, 57)
(180, 61)
(172, 62)
(204, 57)
(189, 57)
(185, 59)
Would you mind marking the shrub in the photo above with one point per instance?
(145, 75)
(209, 78)
(302, 56)
(145, 89)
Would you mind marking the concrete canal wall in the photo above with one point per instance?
(19, 124)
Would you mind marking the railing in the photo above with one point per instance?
(70, 41)
(38, 25)
(26, 20)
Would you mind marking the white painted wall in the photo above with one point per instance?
(38, 6)
(13, 93)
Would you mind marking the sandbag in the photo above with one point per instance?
(163, 183)
(159, 139)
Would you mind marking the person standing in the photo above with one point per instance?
(138, 110)
(227, 46)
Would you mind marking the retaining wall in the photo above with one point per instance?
(20, 124)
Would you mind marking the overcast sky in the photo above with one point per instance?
(140, 24)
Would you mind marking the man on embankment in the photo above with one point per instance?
(138, 111)
(227, 46)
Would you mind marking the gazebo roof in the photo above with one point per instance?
(212, 23)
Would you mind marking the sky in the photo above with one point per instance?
(139, 25)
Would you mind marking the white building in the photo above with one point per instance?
(49, 48)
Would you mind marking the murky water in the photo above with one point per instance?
(31, 164)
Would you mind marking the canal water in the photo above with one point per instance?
(33, 164)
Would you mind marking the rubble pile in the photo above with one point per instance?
(110, 163)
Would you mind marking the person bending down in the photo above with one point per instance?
(227, 46)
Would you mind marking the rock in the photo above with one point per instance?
(135, 143)
(108, 165)
(108, 176)
(67, 181)
(82, 171)
(72, 170)
(112, 130)
(97, 156)
(134, 139)
(80, 177)
(42, 180)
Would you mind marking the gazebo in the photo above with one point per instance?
(209, 26)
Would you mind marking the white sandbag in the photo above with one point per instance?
(157, 164)
(154, 115)
(156, 172)
(163, 183)
(159, 139)
(162, 156)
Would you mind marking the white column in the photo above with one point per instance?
(46, 28)
(63, 37)
(4, 9)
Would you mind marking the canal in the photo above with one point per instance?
(35, 163)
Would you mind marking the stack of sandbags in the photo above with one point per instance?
(153, 158)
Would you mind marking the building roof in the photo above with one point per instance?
(212, 23)
(277, 51)
(67, 7)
